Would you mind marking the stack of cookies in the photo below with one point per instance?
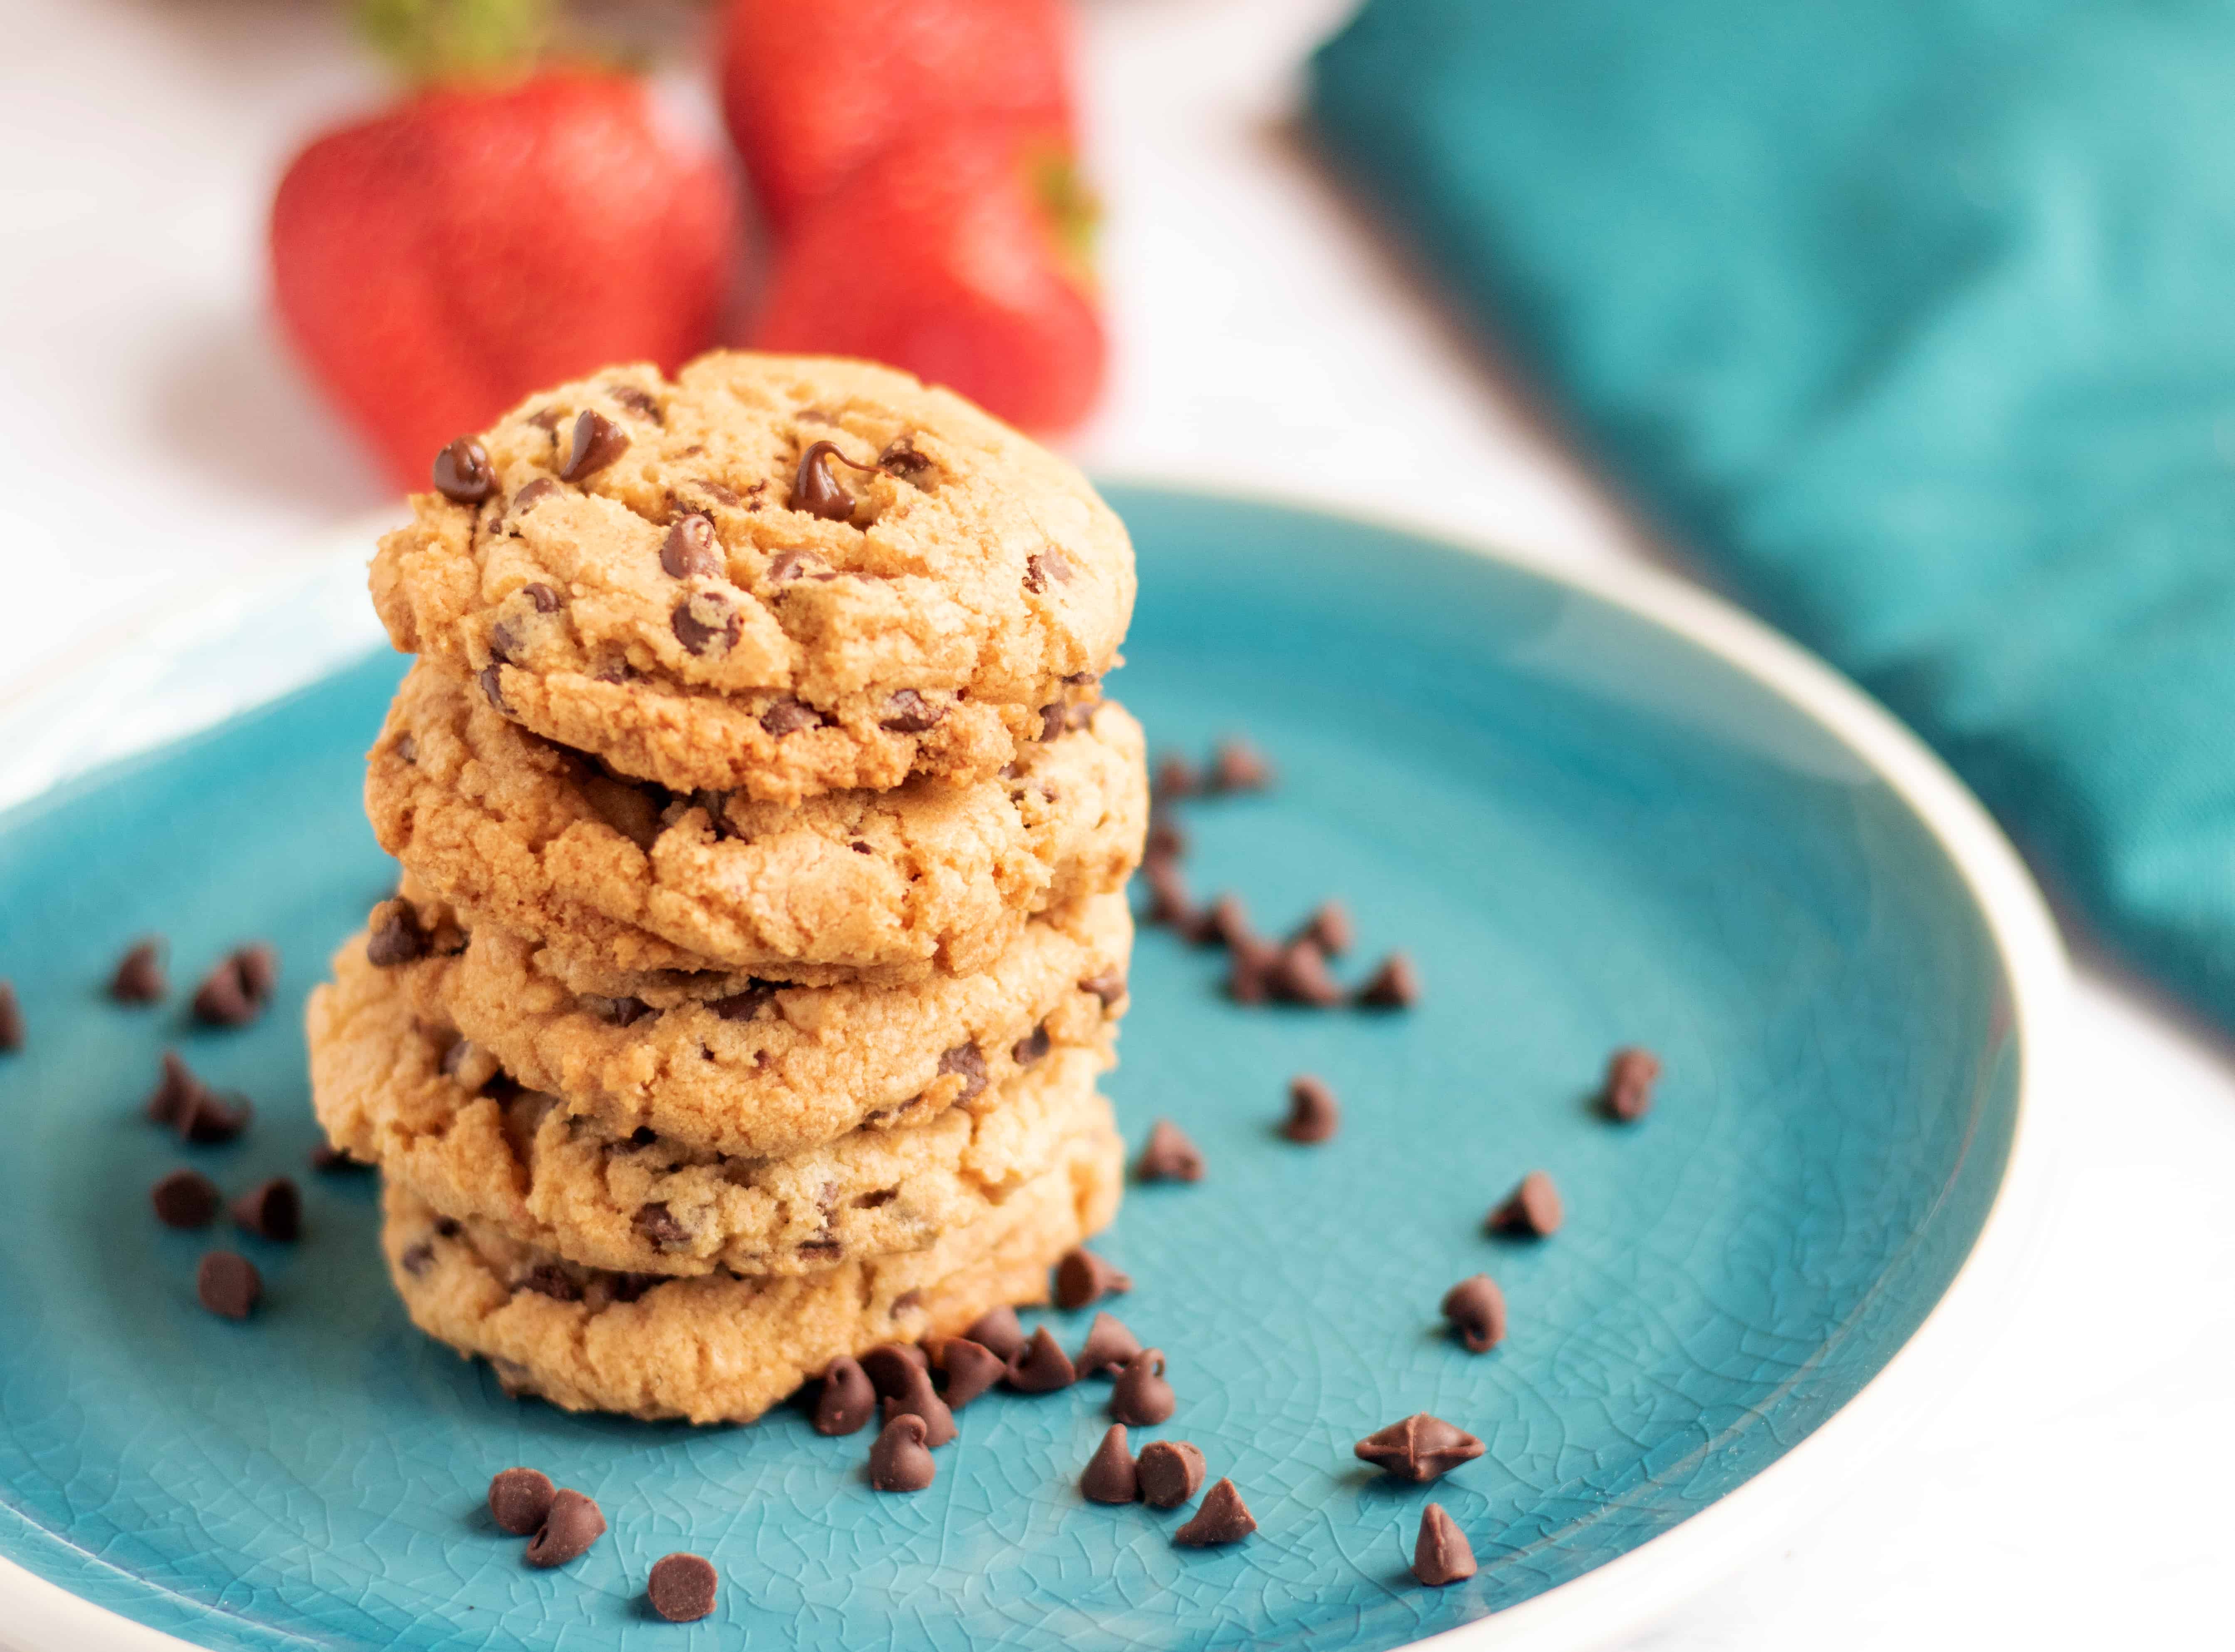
(762, 932)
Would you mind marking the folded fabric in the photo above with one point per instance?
(1911, 319)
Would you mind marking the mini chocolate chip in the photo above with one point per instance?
(1328, 927)
(1171, 1471)
(637, 402)
(848, 1400)
(720, 493)
(328, 1159)
(1299, 975)
(815, 489)
(1238, 767)
(548, 1279)
(1042, 1367)
(693, 549)
(258, 965)
(1165, 841)
(1032, 1046)
(682, 1587)
(139, 977)
(1631, 1073)
(448, 1227)
(570, 1524)
(1168, 898)
(1442, 1554)
(271, 1210)
(546, 419)
(1110, 1476)
(207, 1118)
(618, 1012)
(228, 1284)
(706, 622)
(520, 1499)
(1081, 1278)
(493, 689)
(11, 1018)
(406, 748)
(1313, 1113)
(1248, 974)
(909, 713)
(1169, 1156)
(1532, 1211)
(529, 497)
(789, 717)
(541, 598)
(1421, 1448)
(894, 1367)
(1223, 1517)
(920, 1399)
(463, 474)
(745, 1005)
(660, 1228)
(1108, 986)
(1476, 1308)
(236, 990)
(1224, 923)
(902, 459)
(417, 1259)
(970, 1368)
(184, 1198)
(1175, 778)
(900, 1461)
(1141, 1396)
(1048, 565)
(396, 935)
(173, 1091)
(787, 565)
(598, 441)
(1395, 985)
(968, 1060)
(997, 1329)
(1109, 1347)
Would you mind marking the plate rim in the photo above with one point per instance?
(1644, 1584)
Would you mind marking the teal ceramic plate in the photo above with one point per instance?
(1591, 819)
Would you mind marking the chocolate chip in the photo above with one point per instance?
(271, 1210)
(814, 489)
(206, 1117)
(618, 1012)
(235, 991)
(1421, 1448)
(901, 457)
(1631, 1073)
(1299, 975)
(693, 549)
(396, 935)
(1224, 923)
(1047, 567)
(909, 713)
(1108, 986)
(328, 1159)
(11, 1018)
(720, 493)
(520, 1499)
(493, 689)
(1312, 1114)
(1141, 1396)
(659, 1229)
(1042, 1367)
(228, 1284)
(682, 1587)
(1476, 1308)
(172, 1092)
(1165, 840)
(1442, 1554)
(1054, 720)
(463, 474)
(970, 1368)
(628, 1287)
(448, 1227)
(848, 1400)
(598, 442)
(1223, 1517)
(1081, 1278)
(900, 1461)
(1110, 1476)
(184, 1198)
(706, 622)
(1532, 1211)
(1393, 986)
(1168, 898)
(997, 1329)
(1031, 1048)
(893, 1367)
(1249, 975)
(745, 1005)
(1175, 778)
(1169, 1471)
(920, 1399)
(139, 977)
(786, 566)
(637, 402)
(1238, 767)
(1328, 927)
(533, 494)
(548, 1279)
(968, 1060)
(789, 717)
(541, 598)
(258, 965)
(570, 1524)
(1169, 1156)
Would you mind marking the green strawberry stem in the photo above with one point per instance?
(433, 40)
(1074, 211)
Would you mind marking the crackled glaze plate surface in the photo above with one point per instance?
(1587, 828)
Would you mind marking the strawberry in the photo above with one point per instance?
(811, 91)
(960, 255)
(436, 263)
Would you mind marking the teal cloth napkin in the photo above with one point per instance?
(1914, 320)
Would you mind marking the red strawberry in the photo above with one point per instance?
(441, 261)
(959, 256)
(813, 91)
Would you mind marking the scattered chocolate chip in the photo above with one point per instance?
(1223, 1517)
(184, 1198)
(1109, 1347)
(541, 598)
(900, 1461)
(1047, 567)
(814, 489)
(1328, 927)
(970, 1368)
(1054, 719)
(745, 1005)
(692, 551)
(970, 1061)
(206, 1117)
(328, 1159)
(570, 1524)
(1175, 778)
(396, 935)
(1225, 922)
(1141, 1396)
(1395, 985)
(519, 1500)
(1032, 1046)
(548, 1279)
(1313, 1113)
(463, 474)
(901, 457)
(258, 965)
(172, 1092)
(909, 713)
(997, 1329)
(1299, 975)
(682, 1587)
(271, 1210)
(1169, 903)
(493, 689)
(1041, 1367)
(1110, 1476)
(1081, 1278)
(1238, 767)
(1532, 1211)
(893, 1367)
(228, 1284)
(598, 441)
(659, 1229)
(1630, 1076)
(637, 402)
(1171, 1471)
(706, 622)
(789, 717)
(1109, 987)
(1421, 1448)
(919, 1399)
(1169, 1156)
(139, 977)
(1247, 975)
(533, 494)
(1476, 1308)
(1442, 1554)
(11, 1018)
(848, 1400)
(235, 991)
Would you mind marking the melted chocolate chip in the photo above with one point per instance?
(1109, 1347)
(997, 1329)
(1141, 1396)
(1169, 1156)
(1532, 1211)
(529, 497)
(691, 549)
(1170, 1472)
(618, 1012)
(463, 474)
(1313, 1112)
(909, 713)
(902, 459)
(493, 689)
(1109, 987)
(1420, 1449)
(1081, 1278)
(1032, 1046)
(417, 1259)
(745, 1005)
(659, 1229)
(1110, 1476)
(1441, 1555)
(1476, 1310)
(548, 1279)
(520, 1499)
(1630, 1076)
(395, 935)
(1043, 1367)
(788, 716)
(706, 622)
(848, 1400)
(682, 1587)
(570, 1524)
(970, 1368)
(900, 1461)
(540, 597)
(598, 441)
(969, 1061)
(184, 1198)
(139, 977)
(228, 1284)
(637, 402)
(1048, 566)
(271, 1210)
(1393, 986)
(1223, 1517)
(814, 489)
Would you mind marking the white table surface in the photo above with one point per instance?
(155, 437)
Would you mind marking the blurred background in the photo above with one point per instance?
(1331, 309)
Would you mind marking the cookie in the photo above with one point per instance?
(513, 830)
(744, 1068)
(688, 601)
(391, 1089)
(721, 1347)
